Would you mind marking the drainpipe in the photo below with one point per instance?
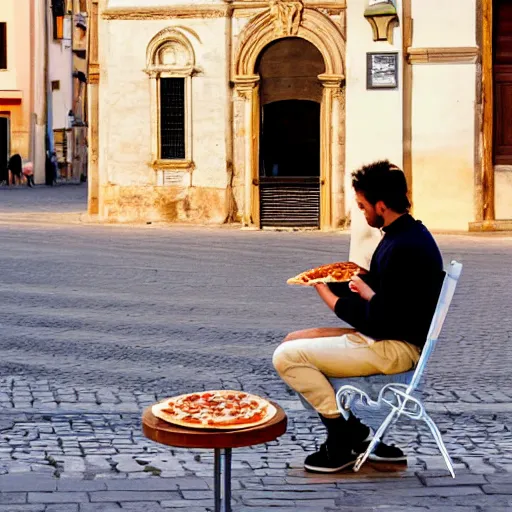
(230, 198)
(49, 143)
(33, 23)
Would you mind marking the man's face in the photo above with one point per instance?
(374, 219)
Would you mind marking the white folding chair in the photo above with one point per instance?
(396, 391)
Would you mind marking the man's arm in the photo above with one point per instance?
(351, 308)
(326, 295)
(356, 285)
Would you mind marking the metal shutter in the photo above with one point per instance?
(290, 202)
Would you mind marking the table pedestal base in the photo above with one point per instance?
(222, 441)
(222, 479)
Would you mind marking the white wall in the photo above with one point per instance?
(443, 144)
(61, 68)
(444, 23)
(373, 119)
(443, 117)
(125, 108)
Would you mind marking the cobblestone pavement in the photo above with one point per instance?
(98, 322)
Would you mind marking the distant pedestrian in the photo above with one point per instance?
(51, 168)
(14, 168)
(55, 166)
(28, 172)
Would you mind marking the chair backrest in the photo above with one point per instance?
(445, 297)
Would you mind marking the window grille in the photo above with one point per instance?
(172, 118)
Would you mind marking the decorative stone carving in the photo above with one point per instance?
(287, 16)
(173, 54)
(170, 52)
(244, 93)
(315, 27)
(244, 86)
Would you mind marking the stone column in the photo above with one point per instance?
(331, 172)
(153, 88)
(246, 89)
(486, 202)
(93, 130)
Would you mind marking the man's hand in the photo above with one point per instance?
(357, 285)
(327, 296)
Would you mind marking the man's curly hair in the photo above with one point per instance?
(382, 181)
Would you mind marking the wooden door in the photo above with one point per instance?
(502, 45)
(289, 179)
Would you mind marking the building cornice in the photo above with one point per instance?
(14, 94)
(442, 55)
(219, 10)
(322, 4)
(172, 11)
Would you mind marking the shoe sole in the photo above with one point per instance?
(315, 469)
(376, 458)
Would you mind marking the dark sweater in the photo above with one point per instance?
(406, 274)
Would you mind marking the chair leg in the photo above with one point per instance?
(375, 441)
(391, 425)
(439, 440)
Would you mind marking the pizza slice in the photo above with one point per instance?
(339, 272)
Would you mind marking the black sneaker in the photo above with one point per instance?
(382, 453)
(324, 461)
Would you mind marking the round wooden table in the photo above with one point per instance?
(221, 441)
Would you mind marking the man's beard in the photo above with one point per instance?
(377, 221)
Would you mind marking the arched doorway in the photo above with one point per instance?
(265, 30)
(289, 156)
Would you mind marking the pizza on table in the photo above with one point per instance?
(218, 409)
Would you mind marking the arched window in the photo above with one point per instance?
(170, 66)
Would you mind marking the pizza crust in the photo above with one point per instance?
(327, 279)
(158, 410)
(347, 268)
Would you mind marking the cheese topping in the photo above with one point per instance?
(211, 409)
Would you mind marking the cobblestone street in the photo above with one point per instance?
(98, 322)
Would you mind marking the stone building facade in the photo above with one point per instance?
(22, 83)
(257, 111)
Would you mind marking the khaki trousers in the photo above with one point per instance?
(305, 364)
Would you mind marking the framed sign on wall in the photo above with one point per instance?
(382, 70)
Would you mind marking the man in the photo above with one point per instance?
(390, 309)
